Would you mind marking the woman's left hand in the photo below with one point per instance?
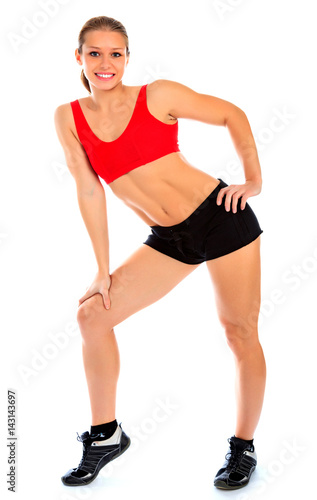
(235, 191)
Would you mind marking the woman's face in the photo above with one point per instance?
(103, 53)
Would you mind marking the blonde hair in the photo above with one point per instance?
(100, 23)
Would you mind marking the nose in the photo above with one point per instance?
(105, 62)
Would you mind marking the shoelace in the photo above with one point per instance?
(235, 459)
(85, 439)
(234, 455)
(90, 457)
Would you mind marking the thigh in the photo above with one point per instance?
(142, 279)
(236, 279)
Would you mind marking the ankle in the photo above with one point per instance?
(107, 428)
(240, 439)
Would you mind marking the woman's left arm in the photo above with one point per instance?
(243, 141)
(181, 101)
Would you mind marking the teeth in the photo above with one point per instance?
(104, 76)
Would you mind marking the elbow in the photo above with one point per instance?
(93, 189)
(234, 113)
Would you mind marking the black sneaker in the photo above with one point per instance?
(241, 461)
(96, 454)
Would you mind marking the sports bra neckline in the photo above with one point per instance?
(125, 130)
(144, 140)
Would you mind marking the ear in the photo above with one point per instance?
(78, 57)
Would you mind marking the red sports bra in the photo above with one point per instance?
(145, 139)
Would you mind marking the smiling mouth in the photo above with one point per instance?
(105, 76)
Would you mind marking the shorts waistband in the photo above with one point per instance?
(184, 223)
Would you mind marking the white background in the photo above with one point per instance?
(260, 56)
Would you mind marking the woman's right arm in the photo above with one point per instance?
(91, 199)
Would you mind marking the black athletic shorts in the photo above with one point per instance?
(209, 232)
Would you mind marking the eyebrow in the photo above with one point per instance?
(113, 48)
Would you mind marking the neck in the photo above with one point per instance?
(104, 99)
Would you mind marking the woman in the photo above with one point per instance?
(128, 137)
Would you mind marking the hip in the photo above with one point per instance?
(208, 232)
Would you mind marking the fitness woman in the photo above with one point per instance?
(128, 137)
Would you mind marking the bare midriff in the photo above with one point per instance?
(166, 191)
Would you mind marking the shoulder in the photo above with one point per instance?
(64, 117)
(165, 88)
(181, 101)
(169, 92)
(64, 122)
(171, 96)
(166, 94)
(63, 112)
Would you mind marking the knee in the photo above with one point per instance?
(90, 313)
(241, 338)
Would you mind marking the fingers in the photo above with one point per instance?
(105, 294)
(243, 202)
(106, 300)
(232, 195)
(101, 287)
(85, 297)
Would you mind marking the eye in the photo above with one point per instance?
(118, 53)
(90, 53)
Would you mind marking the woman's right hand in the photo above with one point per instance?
(101, 284)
